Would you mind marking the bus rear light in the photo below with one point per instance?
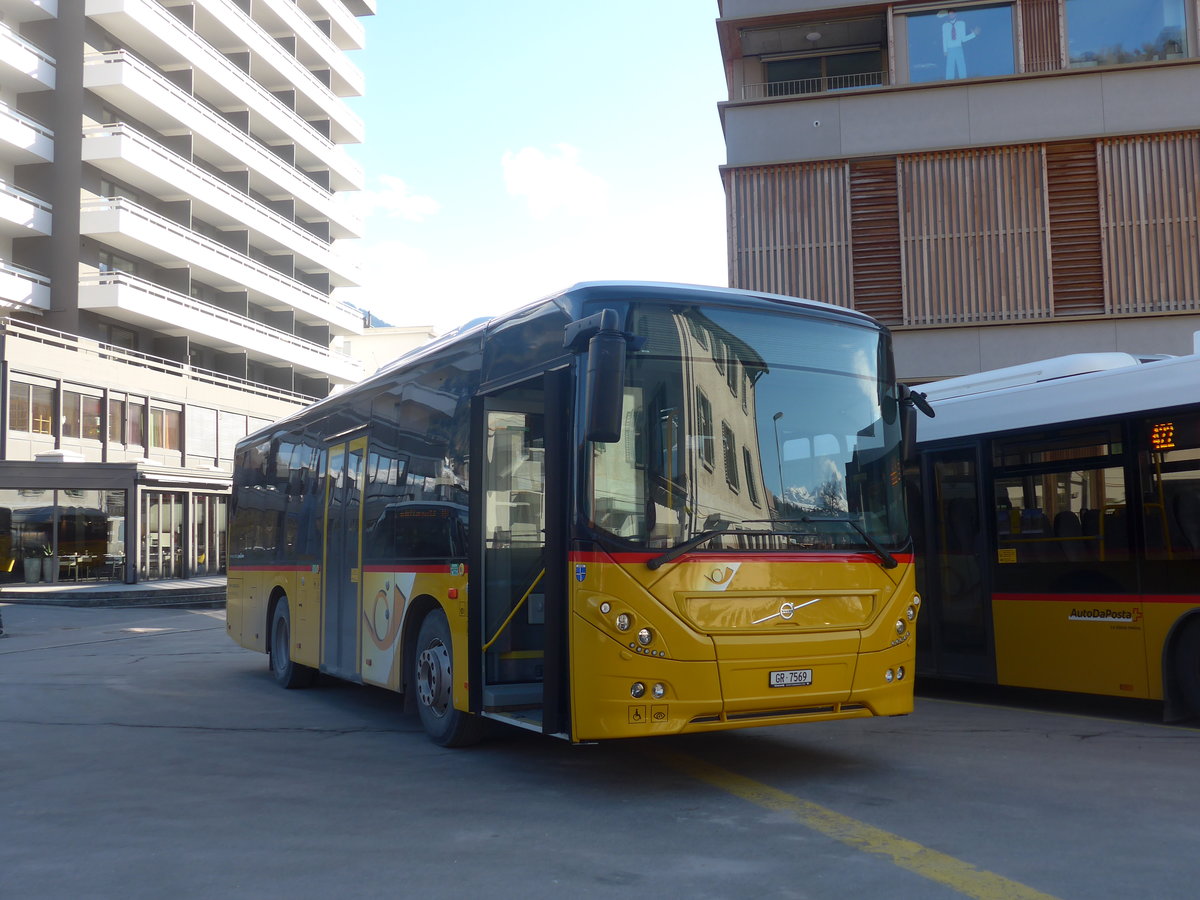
(452, 594)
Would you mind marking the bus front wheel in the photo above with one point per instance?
(433, 683)
(287, 673)
(1187, 665)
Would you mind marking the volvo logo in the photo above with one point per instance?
(787, 609)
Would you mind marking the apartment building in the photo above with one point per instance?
(998, 182)
(172, 228)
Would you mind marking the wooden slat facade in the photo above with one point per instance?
(1149, 188)
(1076, 244)
(1041, 35)
(875, 239)
(974, 236)
(789, 230)
(1027, 233)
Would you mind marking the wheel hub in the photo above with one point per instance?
(433, 678)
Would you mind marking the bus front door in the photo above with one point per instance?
(342, 565)
(957, 569)
(521, 548)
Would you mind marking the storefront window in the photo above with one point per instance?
(63, 535)
(964, 42)
(1108, 32)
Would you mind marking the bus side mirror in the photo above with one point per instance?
(604, 378)
(604, 386)
(910, 402)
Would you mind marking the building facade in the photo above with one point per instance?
(998, 182)
(170, 224)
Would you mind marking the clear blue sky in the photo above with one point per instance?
(515, 148)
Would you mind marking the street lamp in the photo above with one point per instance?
(778, 450)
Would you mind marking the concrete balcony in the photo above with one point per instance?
(314, 48)
(145, 94)
(134, 230)
(346, 32)
(224, 25)
(139, 302)
(14, 12)
(23, 66)
(1017, 109)
(22, 289)
(22, 214)
(159, 37)
(127, 155)
(24, 140)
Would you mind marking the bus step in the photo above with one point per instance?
(512, 696)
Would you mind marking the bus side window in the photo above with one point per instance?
(1187, 519)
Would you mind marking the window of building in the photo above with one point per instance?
(826, 72)
(751, 482)
(81, 415)
(118, 336)
(704, 428)
(113, 262)
(1109, 32)
(729, 451)
(31, 408)
(953, 43)
(164, 428)
(116, 421)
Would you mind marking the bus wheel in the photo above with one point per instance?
(1187, 664)
(289, 674)
(434, 685)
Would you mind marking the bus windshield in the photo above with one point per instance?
(749, 431)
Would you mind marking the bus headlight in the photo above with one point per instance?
(911, 613)
(899, 673)
(658, 691)
(901, 627)
(637, 690)
(645, 636)
(889, 676)
(623, 621)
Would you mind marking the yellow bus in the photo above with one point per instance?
(627, 509)
(1060, 544)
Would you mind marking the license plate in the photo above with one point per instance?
(791, 678)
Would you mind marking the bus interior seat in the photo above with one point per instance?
(1187, 516)
(1068, 527)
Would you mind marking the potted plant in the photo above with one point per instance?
(34, 555)
(49, 563)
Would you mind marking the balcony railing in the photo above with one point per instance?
(8, 112)
(15, 48)
(825, 85)
(61, 339)
(21, 288)
(298, 239)
(170, 304)
(314, 302)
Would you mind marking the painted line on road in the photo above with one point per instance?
(956, 874)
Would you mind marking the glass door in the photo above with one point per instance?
(342, 565)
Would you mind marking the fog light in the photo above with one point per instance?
(899, 673)
(659, 691)
(623, 622)
(900, 626)
(605, 607)
(889, 676)
(645, 636)
(638, 690)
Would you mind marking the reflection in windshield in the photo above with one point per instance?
(750, 425)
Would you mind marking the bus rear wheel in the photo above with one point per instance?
(287, 673)
(433, 683)
(1186, 660)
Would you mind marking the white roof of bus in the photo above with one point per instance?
(1058, 391)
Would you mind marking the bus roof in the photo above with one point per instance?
(1058, 391)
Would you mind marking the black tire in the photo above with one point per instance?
(433, 686)
(287, 673)
(1185, 660)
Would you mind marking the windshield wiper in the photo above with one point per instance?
(690, 544)
(889, 561)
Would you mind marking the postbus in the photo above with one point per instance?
(1059, 529)
(627, 509)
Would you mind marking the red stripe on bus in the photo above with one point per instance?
(307, 568)
(1093, 598)
(421, 570)
(592, 556)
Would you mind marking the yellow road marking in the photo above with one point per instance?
(940, 867)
